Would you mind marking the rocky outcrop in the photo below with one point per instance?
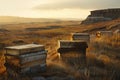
(102, 15)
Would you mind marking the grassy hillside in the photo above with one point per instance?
(107, 25)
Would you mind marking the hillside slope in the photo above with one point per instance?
(107, 25)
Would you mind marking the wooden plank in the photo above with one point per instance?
(72, 44)
(16, 50)
(33, 63)
(27, 46)
(17, 63)
(34, 69)
(33, 58)
(31, 50)
(33, 54)
(29, 54)
(12, 52)
(86, 38)
(26, 70)
(104, 33)
(81, 36)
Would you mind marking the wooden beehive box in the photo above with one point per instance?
(81, 36)
(104, 33)
(73, 52)
(26, 58)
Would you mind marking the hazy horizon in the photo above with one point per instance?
(55, 9)
(41, 17)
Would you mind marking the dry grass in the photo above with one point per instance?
(49, 38)
(104, 52)
(97, 53)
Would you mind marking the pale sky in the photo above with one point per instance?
(54, 8)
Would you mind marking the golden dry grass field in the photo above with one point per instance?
(48, 34)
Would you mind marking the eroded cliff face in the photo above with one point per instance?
(102, 15)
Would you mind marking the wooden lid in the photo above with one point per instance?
(27, 46)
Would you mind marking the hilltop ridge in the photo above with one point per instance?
(102, 15)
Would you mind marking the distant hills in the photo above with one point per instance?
(13, 19)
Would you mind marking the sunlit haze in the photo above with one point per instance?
(78, 9)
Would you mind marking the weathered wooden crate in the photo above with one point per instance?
(81, 36)
(104, 33)
(20, 60)
(26, 58)
(24, 49)
(73, 53)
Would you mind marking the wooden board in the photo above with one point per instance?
(81, 36)
(33, 69)
(32, 50)
(33, 58)
(23, 49)
(33, 54)
(72, 44)
(12, 52)
(33, 63)
(16, 62)
(27, 70)
(104, 33)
